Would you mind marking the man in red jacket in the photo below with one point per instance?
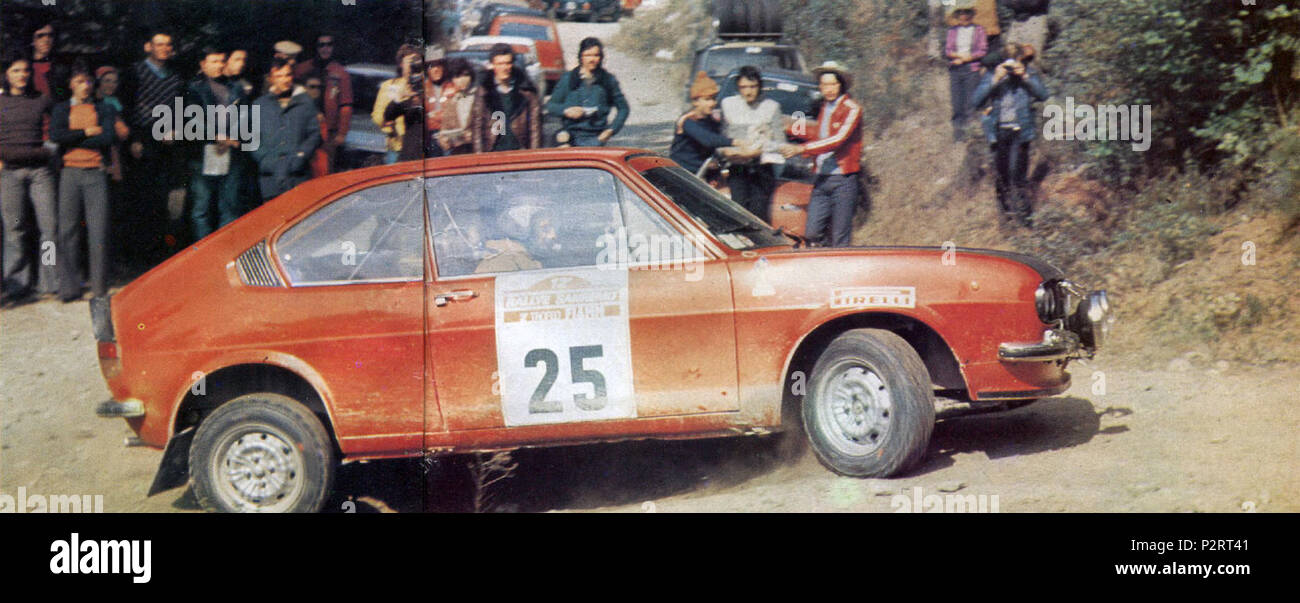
(836, 148)
(336, 92)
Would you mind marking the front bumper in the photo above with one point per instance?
(1077, 334)
(1056, 345)
(112, 409)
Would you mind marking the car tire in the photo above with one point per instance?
(286, 457)
(869, 411)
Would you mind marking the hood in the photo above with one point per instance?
(1044, 269)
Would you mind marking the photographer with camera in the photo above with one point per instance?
(1009, 125)
(420, 106)
(392, 91)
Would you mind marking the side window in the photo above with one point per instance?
(372, 235)
(531, 220)
(650, 241)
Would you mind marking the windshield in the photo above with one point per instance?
(728, 221)
(720, 61)
(793, 98)
(526, 30)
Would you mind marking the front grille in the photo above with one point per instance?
(255, 267)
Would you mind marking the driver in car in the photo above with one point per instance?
(541, 244)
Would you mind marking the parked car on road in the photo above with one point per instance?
(365, 144)
(545, 37)
(548, 297)
(488, 14)
(797, 93)
(585, 10)
(525, 48)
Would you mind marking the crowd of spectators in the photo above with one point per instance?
(92, 171)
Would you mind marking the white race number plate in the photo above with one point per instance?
(563, 347)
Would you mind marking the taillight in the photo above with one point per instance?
(110, 365)
(107, 350)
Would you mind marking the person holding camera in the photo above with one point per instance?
(1009, 125)
(420, 106)
(400, 87)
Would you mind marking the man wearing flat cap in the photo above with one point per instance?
(836, 150)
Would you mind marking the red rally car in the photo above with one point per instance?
(538, 298)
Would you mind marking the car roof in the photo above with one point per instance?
(525, 158)
(514, 40)
(512, 9)
(797, 77)
(372, 69)
(745, 43)
(523, 18)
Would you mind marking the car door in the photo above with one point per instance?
(356, 265)
(545, 309)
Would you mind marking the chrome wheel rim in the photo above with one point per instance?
(856, 409)
(258, 470)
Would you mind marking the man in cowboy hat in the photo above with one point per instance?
(836, 149)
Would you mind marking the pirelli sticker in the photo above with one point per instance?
(874, 297)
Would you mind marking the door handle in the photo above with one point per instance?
(441, 299)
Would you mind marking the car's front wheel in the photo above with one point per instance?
(869, 410)
(262, 453)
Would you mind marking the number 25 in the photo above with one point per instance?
(577, 354)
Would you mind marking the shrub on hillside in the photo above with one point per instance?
(1220, 79)
(678, 26)
(880, 41)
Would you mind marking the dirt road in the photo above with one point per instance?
(1192, 435)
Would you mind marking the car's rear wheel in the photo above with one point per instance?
(869, 410)
(262, 453)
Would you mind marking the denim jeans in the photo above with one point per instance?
(83, 194)
(833, 199)
(752, 186)
(223, 190)
(586, 140)
(1011, 158)
(23, 269)
(961, 85)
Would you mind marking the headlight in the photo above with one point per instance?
(1057, 300)
(1092, 320)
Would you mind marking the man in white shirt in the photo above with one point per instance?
(757, 122)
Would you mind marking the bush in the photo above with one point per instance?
(679, 26)
(1220, 81)
(884, 50)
